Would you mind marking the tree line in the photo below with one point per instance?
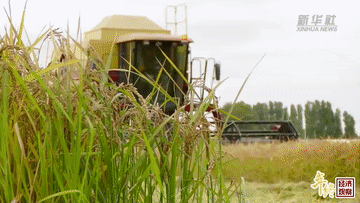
(316, 120)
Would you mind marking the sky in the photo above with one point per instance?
(298, 66)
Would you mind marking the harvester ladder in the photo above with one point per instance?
(176, 20)
(200, 80)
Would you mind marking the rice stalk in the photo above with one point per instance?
(66, 139)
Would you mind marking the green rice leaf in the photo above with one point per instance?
(61, 194)
(31, 77)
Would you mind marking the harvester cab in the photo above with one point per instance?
(138, 47)
(140, 51)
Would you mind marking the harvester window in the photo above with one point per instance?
(126, 56)
(123, 56)
(149, 60)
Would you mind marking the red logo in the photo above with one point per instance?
(345, 187)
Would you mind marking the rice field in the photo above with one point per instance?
(84, 139)
(270, 169)
(87, 140)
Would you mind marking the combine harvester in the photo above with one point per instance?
(138, 41)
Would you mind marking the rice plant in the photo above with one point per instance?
(65, 139)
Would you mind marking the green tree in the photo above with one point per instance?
(261, 111)
(299, 124)
(293, 115)
(349, 125)
(241, 110)
(330, 126)
(309, 120)
(319, 119)
(271, 111)
(286, 114)
(278, 110)
(338, 128)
